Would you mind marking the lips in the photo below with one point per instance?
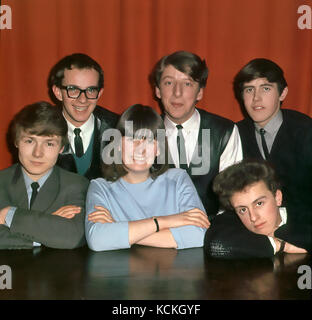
(260, 225)
(177, 105)
(80, 109)
(256, 108)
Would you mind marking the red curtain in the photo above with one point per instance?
(127, 37)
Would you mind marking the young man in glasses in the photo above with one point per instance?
(77, 81)
(40, 203)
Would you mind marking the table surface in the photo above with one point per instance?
(147, 273)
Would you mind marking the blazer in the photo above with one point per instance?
(291, 157)
(220, 133)
(38, 224)
(104, 119)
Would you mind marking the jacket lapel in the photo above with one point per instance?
(17, 189)
(48, 192)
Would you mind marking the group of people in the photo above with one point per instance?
(186, 178)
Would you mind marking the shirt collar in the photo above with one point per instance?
(273, 125)
(187, 125)
(283, 213)
(86, 127)
(41, 181)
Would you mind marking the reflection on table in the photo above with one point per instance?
(147, 273)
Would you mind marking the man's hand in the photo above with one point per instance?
(101, 215)
(3, 213)
(67, 212)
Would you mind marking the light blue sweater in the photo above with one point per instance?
(170, 193)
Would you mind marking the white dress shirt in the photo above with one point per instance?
(232, 153)
(283, 213)
(86, 133)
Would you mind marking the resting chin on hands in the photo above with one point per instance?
(3, 213)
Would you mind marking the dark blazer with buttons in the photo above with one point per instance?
(220, 130)
(38, 224)
(104, 119)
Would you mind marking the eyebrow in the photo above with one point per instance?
(255, 201)
(171, 77)
(262, 85)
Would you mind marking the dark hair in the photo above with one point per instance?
(258, 68)
(76, 60)
(142, 117)
(41, 119)
(186, 62)
(241, 175)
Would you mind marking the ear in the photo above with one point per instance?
(157, 149)
(278, 197)
(62, 149)
(200, 94)
(157, 92)
(100, 93)
(57, 92)
(284, 94)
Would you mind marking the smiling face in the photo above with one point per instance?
(77, 111)
(258, 208)
(38, 154)
(262, 100)
(138, 156)
(178, 93)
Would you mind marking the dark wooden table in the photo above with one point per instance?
(149, 274)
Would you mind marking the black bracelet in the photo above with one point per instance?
(157, 225)
(282, 247)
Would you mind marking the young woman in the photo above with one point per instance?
(140, 200)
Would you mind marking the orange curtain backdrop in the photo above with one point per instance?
(127, 37)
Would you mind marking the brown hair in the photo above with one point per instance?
(41, 119)
(142, 117)
(241, 175)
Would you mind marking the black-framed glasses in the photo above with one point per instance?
(75, 92)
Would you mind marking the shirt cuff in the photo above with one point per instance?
(272, 243)
(9, 216)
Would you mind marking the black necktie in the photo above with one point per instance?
(181, 148)
(78, 143)
(34, 186)
(264, 145)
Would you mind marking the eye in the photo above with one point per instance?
(266, 89)
(167, 83)
(248, 90)
(241, 211)
(50, 144)
(259, 203)
(188, 83)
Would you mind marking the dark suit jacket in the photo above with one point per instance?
(104, 119)
(38, 224)
(291, 157)
(220, 133)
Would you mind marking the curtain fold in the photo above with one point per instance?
(127, 37)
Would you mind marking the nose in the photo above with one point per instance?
(37, 151)
(253, 215)
(82, 98)
(139, 146)
(257, 95)
(177, 90)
